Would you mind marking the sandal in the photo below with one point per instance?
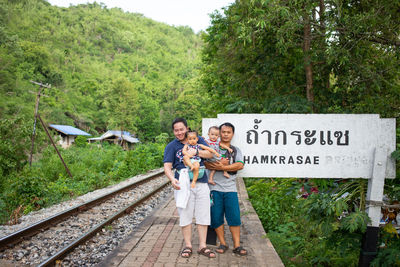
(206, 252)
(222, 248)
(186, 250)
(240, 251)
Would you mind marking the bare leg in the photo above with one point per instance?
(221, 236)
(202, 229)
(211, 177)
(187, 162)
(226, 174)
(235, 231)
(187, 237)
(195, 171)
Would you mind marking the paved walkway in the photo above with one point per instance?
(158, 241)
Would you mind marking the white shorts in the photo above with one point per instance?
(198, 206)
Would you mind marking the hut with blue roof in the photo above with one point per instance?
(67, 134)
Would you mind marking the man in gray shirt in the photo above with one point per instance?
(225, 202)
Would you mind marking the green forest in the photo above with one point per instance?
(114, 70)
(108, 70)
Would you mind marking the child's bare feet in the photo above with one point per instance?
(226, 175)
(210, 181)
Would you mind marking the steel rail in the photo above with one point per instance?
(61, 253)
(20, 235)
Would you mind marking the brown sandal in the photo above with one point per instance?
(222, 248)
(240, 251)
(186, 250)
(207, 252)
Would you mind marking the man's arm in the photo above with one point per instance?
(219, 166)
(168, 172)
(191, 152)
(233, 167)
(205, 154)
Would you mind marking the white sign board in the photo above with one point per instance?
(310, 145)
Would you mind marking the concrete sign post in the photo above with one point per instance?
(318, 146)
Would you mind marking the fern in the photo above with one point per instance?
(387, 258)
(396, 154)
(355, 221)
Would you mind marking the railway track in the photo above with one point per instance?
(48, 241)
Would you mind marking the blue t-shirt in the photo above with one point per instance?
(171, 152)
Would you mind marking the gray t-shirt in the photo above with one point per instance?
(222, 183)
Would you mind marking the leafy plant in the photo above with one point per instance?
(269, 197)
(389, 249)
(319, 229)
(92, 167)
(81, 141)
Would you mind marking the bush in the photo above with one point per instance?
(92, 167)
(81, 141)
(14, 144)
(313, 230)
(270, 197)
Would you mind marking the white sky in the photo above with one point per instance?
(192, 13)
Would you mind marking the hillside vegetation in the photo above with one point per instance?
(115, 70)
(107, 68)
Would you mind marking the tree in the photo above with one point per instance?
(122, 105)
(307, 56)
(14, 144)
(193, 105)
(148, 126)
(339, 56)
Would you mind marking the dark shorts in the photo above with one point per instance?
(225, 204)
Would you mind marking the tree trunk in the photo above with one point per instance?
(323, 40)
(307, 59)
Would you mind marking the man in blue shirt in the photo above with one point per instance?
(198, 205)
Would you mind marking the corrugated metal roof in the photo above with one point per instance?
(68, 130)
(118, 132)
(130, 139)
(125, 136)
(95, 139)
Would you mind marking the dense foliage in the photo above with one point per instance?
(92, 167)
(108, 69)
(303, 56)
(306, 56)
(322, 227)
